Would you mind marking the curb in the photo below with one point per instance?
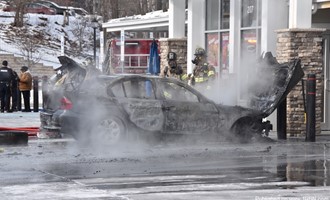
(13, 137)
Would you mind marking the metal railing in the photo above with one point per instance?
(133, 61)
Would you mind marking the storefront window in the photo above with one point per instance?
(224, 49)
(212, 14)
(249, 42)
(225, 9)
(250, 13)
(250, 50)
(259, 12)
(217, 34)
(218, 52)
(212, 49)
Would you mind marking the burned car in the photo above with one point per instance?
(113, 108)
(56, 92)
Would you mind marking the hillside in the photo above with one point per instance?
(51, 28)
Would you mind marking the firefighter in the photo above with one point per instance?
(174, 70)
(203, 72)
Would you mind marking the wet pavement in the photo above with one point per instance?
(64, 169)
(20, 119)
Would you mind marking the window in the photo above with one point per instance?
(217, 14)
(250, 43)
(224, 52)
(213, 48)
(139, 88)
(118, 90)
(176, 92)
(217, 34)
(251, 13)
(212, 15)
(225, 10)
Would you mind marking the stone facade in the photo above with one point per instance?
(176, 45)
(305, 44)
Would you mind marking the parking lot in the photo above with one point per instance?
(63, 169)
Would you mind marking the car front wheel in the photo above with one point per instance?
(245, 128)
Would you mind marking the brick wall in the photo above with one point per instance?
(305, 44)
(176, 45)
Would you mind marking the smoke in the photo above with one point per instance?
(250, 87)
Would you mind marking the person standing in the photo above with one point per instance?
(203, 71)
(6, 76)
(14, 91)
(25, 86)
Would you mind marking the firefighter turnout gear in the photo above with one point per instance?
(202, 72)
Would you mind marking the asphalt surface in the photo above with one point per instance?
(31, 119)
(63, 169)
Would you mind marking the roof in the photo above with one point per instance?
(158, 20)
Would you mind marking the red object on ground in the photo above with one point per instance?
(32, 131)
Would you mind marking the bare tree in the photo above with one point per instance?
(19, 12)
(29, 43)
(164, 5)
(114, 9)
(106, 15)
(79, 32)
(144, 6)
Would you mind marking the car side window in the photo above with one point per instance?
(176, 92)
(141, 89)
(118, 90)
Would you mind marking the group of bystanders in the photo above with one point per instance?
(12, 86)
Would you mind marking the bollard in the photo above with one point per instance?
(281, 120)
(35, 94)
(19, 101)
(44, 91)
(311, 91)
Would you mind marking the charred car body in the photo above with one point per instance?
(118, 107)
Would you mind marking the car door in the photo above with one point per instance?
(185, 110)
(138, 99)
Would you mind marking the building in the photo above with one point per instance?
(236, 32)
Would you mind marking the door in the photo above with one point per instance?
(185, 114)
(137, 97)
(325, 125)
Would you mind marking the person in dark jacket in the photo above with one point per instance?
(6, 76)
(14, 92)
(25, 86)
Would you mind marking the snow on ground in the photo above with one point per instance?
(52, 26)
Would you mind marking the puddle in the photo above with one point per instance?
(314, 172)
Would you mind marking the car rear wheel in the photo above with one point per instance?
(110, 130)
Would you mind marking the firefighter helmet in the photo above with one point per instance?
(199, 51)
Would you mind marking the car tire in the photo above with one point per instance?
(110, 130)
(244, 129)
(13, 137)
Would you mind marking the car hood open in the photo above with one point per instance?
(274, 83)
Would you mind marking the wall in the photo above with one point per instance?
(305, 44)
